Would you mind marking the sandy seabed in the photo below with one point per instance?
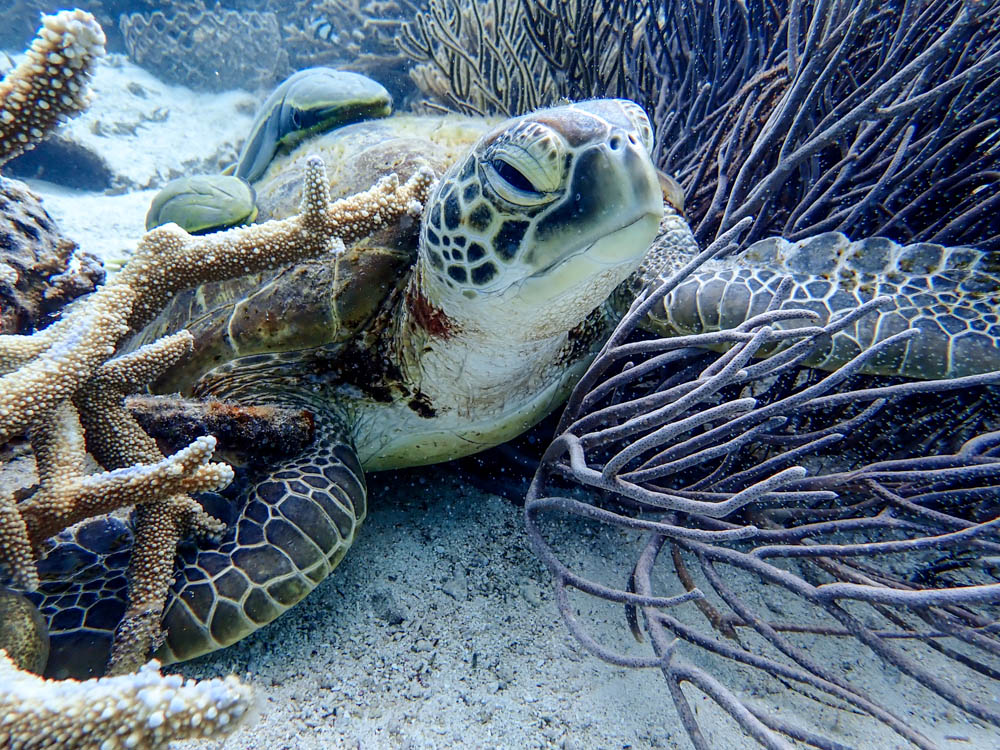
(439, 629)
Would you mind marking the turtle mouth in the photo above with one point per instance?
(585, 276)
(597, 258)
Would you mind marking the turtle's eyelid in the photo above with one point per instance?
(512, 192)
(513, 175)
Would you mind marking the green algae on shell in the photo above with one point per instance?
(23, 634)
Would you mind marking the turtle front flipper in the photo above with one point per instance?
(950, 294)
(295, 527)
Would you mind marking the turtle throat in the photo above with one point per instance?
(461, 358)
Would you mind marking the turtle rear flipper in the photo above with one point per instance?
(295, 527)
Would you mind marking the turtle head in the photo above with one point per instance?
(319, 99)
(311, 101)
(546, 215)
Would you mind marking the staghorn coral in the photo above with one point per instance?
(144, 711)
(34, 98)
(207, 48)
(54, 363)
(50, 85)
(71, 360)
(68, 361)
(289, 35)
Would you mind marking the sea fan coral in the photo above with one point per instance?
(867, 509)
(809, 115)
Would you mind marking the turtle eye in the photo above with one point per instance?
(514, 177)
(511, 183)
(296, 119)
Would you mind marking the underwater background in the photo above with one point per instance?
(442, 628)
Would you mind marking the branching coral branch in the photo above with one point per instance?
(50, 85)
(66, 494)
(69, 360)
(168, 259)
(66, 374)
(142, 711)
(62, 376)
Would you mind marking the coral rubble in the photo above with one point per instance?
(263, 433)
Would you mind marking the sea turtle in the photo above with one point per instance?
(310, 101)
(437, 339)
(431, 340)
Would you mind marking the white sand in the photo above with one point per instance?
(149, 132)
(108, 226)
(439, 630)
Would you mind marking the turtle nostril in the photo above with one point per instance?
(615, 142)
(633, 139)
